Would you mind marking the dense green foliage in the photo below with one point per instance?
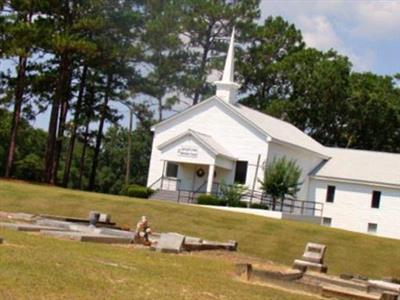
(259, 206)
(77, 59)
(138, 191)
(30, 145)
(232, 194)
(281, 178)
(205, 199)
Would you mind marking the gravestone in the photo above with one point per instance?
(1, 240)
(94, 218)
(314, 253)
(244, 271)
(170, 243)
(105, 218)
(312, 259)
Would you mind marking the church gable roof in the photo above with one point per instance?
(360, 165)
(207, 141)
(280, 131)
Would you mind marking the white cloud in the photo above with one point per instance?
(373, 19)
(378, 20)
(318, 32)
(352, 27)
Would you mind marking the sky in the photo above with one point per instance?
(367, 31)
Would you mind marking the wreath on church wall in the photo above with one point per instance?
(200, 172)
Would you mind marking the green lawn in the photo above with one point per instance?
(40, 267)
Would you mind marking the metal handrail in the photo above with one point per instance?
(162, 178)
(155, 182)
(302, 205)
(201, 186)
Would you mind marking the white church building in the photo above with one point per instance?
(220, 140)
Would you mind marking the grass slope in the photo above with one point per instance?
(41, 267)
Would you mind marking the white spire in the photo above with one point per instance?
(227, 88)
(230, 60)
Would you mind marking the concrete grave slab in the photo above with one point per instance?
(198, 245)
(115, 232)
(78, 220)
(338, 292)
(28, 227)
(303, 266)
(88, 237)
(170, 243)
(385, 286)
(68, 235)
(211, 245)
(193, 240)
(315, 278)
(106, 239)
(18, 216)
(67, 226)
(54, 223)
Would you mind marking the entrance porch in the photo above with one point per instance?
(193, 161)
(196, 178)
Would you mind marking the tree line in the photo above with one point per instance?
(76, 58)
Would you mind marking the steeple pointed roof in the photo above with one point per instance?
(227, 88)
(230, 60)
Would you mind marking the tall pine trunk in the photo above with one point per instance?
(206, 49)
(83, 154)
(99, 136)
(19, 94)
(61, 124)
(71, 146)
(19, 97)
(60, 98)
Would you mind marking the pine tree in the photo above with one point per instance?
(205, 25)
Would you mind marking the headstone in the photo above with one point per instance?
(104, 218)
(312, 259)
(94, 218)
(1, 240)
(170, 243)
(244, 271)
(314, 253)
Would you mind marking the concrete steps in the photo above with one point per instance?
(165, 195)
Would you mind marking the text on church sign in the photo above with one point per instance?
(187, 151)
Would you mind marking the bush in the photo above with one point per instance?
(259, 206)
(138, 191)
(238, 204)
(29, 168)
(232, 194)
(210, 200)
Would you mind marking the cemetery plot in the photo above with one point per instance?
(309, 274)
(98, 228)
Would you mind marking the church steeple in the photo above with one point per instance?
(227, 88)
